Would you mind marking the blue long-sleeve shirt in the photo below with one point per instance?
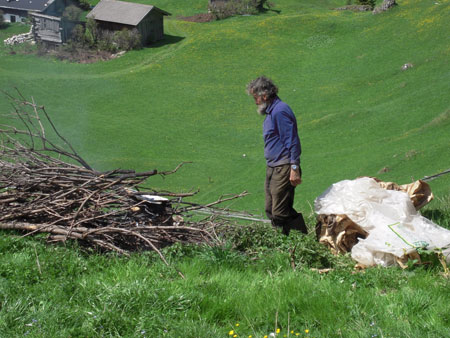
(281, 140)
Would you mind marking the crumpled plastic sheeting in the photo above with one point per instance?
(394, 226)
(419, 192)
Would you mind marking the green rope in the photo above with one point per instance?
(416, 245)
(395, 232)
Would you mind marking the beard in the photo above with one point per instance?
(261, 109)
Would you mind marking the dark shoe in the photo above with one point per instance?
(298, 223)
(285, 228)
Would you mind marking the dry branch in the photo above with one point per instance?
(47, 187)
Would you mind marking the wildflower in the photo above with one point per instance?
(306, 331)
(265, 336)
(231, 333)
(297, 334)
(292, 331)
(237, 324)
(235, 336)
(278, 330)
(250, 336)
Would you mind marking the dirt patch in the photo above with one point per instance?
(75, 55)
(201, 17)
(80, 55)
(355, 8)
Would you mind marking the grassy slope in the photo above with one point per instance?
(185, 101)
(74, 295)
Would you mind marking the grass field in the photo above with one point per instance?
(185, 100)
(56, 291)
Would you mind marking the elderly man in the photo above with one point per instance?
(282, 152)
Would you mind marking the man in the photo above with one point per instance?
(282, 151)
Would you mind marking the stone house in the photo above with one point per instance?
(18, 10)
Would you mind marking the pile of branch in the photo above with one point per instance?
(47, 187)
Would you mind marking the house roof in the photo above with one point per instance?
(27, 5)
(127, 13)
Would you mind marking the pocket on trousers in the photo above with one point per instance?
(283, 169)
(281, 173)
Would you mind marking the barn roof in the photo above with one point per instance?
(127, 13)
(27, 5)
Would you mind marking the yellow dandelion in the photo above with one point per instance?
(306, 331)
(235, 336)
(292, 331)
(265, 336)
(237, 324)
(297, 334)
(250, 336)
(231, 333)
(278, 330)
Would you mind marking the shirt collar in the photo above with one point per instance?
(272, 105)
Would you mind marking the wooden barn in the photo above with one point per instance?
(18, 10)
(117, 15)
(52, 30)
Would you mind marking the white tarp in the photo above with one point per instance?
(395, 227)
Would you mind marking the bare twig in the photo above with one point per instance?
(42, 193)
(37, 261)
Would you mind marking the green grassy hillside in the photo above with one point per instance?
(185, 100)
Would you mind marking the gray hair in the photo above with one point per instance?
(262, 86)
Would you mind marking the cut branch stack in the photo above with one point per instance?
(42, 190)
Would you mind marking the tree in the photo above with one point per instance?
(72, 13)
(77, 35)
(370, 3)
(2, 19)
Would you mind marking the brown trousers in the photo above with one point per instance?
(280, 200)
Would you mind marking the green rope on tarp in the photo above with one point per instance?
(415, 245)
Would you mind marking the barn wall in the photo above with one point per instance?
(48, 29)
(151, 27)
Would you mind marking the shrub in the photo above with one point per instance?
(263, 241)
(370, 3)
(92, 26)
(222, 9)
(77, 35)
(72, 13)
(91, 34)
(84, 5)
(106, 42)
(128, 39)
